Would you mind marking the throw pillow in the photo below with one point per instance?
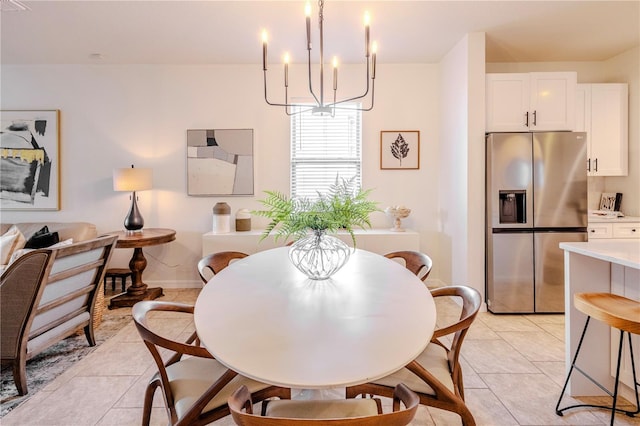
(42, 239)
(20, 252)
(62, 243)
(10, 241)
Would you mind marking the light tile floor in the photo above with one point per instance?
(513, 367)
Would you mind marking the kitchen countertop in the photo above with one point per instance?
(601, 219)
(618, 251)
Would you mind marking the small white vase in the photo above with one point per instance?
(319, 255)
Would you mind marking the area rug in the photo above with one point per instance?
(46, 366)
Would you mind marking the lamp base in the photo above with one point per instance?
(134, 221)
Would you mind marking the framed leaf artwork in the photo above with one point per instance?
(400, 149)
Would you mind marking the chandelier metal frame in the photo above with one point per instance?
(322, 108)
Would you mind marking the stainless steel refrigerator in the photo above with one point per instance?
(536, 197)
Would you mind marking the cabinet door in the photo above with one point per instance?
(609, 130)
(507, 100)
(626, 230)
(599, 230)
(553, 101)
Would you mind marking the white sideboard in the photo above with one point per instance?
(379, 241)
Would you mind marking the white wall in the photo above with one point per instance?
(624, 68)
(461, 185)
(114, 116)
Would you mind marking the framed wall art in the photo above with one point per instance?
(30, 160)
(219, 162)
(399, 149)
(611, 201)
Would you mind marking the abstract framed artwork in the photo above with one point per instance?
(219, 162)
(30, 160)
(400, 149)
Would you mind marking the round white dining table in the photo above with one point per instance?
(266, 320)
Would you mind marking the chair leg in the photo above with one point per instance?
(614, 395)
(635, 379)
(20, 375)
(148, 400)
(89, 334)
(559, 411)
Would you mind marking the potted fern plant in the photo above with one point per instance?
(310, 221)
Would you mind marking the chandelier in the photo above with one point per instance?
(321, 107)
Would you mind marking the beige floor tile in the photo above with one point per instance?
(487, 408)
(480, 331)
(557, 330)
(495, 356)
(82, 401)
(531, 399)
(123, 359)
(506, 322)
(132, 417)
(545, 318)
(555, 370)
(535, 345)
(134, 396)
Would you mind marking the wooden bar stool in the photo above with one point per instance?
(115, 273)
(617, 312)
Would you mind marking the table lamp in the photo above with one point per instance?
(132, 180)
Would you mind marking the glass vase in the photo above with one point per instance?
(319, 255)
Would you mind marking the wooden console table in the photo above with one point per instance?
(139, 290)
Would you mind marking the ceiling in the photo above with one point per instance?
(228, 32)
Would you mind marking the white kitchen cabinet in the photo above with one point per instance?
(538, 101)
(599, 230)
(602, 110)
(626, 230)
(623, 227)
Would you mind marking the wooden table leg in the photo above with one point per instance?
(138, 290)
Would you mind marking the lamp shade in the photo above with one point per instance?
(132, 179)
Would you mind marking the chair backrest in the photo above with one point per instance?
(471, 301)
(241, 408)
(418, 263)
(20, 288)
(216, 262)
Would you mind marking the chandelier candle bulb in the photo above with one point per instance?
(335, 73)
(307, 12)
(374, 49)
(367, 20)
(264, 50)
(286, 70)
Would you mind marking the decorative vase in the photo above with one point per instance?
(319, 255)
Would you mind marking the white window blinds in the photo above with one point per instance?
(323, 148)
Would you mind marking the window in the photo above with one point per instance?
(324, 147)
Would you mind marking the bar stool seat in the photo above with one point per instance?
(115, 273)
(617, 312)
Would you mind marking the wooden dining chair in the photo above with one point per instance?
(418, 263)
(435, 375)
(195, 388)
(216, 262)
(338, 412)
